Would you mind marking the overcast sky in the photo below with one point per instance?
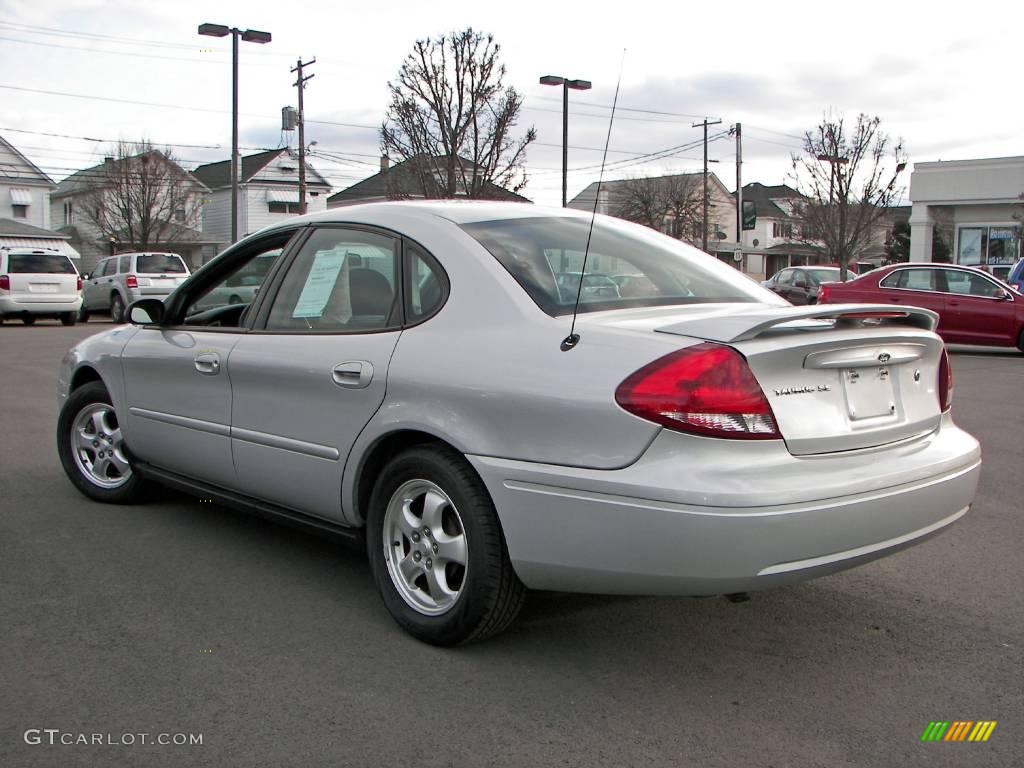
(948, 83)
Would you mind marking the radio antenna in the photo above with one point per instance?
(570, 341)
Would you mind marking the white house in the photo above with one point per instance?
(24, 189)
(980, 199)
(268, 191)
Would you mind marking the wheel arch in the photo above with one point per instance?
(85, 375)
(376, 456)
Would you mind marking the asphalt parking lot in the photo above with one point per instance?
(181, 617)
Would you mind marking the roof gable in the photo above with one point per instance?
(14, 166)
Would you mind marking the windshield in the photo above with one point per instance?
(160, 263)
(40, 264)
(545, 256)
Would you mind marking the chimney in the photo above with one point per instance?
(108, 164)
(385, 163)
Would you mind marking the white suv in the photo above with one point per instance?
(38, 282)
(119, 280)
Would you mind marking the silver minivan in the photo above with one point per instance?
(119, 280)
(38, 282)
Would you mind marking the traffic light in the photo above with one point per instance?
(749, 214)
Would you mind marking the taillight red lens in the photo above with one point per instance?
(5, 282)
(824, 294)
(78, 283)
(706, 389)
(945, 383)
(131, 281)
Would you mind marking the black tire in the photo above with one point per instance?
(83, 315)
(116, 308)
(491, 594)
(68, 318)
(1020, 340)
(90, 396)
(28, 319)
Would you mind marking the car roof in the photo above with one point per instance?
(456, 211)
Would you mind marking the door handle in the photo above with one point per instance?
(208, 363)
(353, 374)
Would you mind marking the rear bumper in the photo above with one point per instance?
(11, 305)
(675, 524)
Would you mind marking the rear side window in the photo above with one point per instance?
(40, 264)
(124, 265)
(159, 263)
(545, 256)
(911, 279)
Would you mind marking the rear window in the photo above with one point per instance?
(545, 256)
(154, 263)
(40, 264)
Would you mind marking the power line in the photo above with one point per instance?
(172, 106)
(623, 109)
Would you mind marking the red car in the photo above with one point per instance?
(973, 306)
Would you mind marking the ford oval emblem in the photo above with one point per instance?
(885, 357)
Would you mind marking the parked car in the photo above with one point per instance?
(799, 285)
(406, 375)
(1016, 276)
(38, 282)
(973, 307)
(119, 280)
(632, 286)
(593, 285)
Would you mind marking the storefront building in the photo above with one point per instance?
(979, 203)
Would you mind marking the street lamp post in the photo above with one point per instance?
(249, 36)
(576, 85)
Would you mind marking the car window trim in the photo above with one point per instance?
(404, 256)
(182, 298)
(940, 271)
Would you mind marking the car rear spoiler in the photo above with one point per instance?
(744, 324)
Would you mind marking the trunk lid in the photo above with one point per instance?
(838, 377)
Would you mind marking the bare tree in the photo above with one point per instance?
(684, 202)
(847, 183)
(670, 204)
(140, 196)
(450, 120)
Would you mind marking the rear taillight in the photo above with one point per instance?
(945, 382)
(78, 283)
(5, 282)
(824, 294)
(706, 389)
(131, 281)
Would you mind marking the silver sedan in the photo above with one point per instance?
(411, 374)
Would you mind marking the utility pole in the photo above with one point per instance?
(738, 130)
(300, 83)
(704, 238)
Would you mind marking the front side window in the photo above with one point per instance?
(224, 301)
(967, 284)
(911, 279)
(545, 256)
(343, 280)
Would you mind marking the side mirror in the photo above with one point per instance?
(1005, 296)
(85, 275)
(146, 312)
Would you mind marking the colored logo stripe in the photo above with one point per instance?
(958, 730)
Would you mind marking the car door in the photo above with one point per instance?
(314, 370)
(802, 288)
(176, 381)
(916, 287)
(94, 295)
(977, 310)
(782, 283)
